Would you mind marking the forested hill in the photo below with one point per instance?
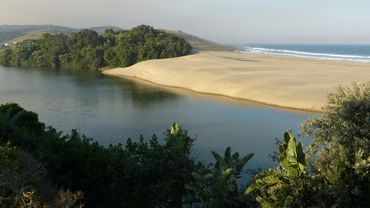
(87, 50)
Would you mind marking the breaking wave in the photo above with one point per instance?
(303, 54)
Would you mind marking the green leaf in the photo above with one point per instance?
(228, 172)
(219, 160)
(291, 156)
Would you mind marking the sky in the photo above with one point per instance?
(224, 21)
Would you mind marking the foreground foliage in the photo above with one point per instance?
(217, 185)
(337, 171)
(39, 167)
(22, 183)
(86, 50)
(342, 148)
(282, 186)
(138, 174)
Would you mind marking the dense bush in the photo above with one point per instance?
(86, 50)
(217, 185)
(22, 183)
(283, 186)
(340, 151)
(139, 174)
(335, 170)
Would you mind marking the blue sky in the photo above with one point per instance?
(227, 21)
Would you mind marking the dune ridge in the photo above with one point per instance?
(278, 81)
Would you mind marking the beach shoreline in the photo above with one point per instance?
(285, 82)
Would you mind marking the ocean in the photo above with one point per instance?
(357, 53)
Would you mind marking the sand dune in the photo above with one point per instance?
(279, 81)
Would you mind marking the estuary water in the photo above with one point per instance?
(111, 110)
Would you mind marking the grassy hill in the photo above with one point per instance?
(200, 43)
(16, 33)
(37, 34)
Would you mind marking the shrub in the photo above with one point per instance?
(282, 186)
(140, 174)
(337, 173)
(217, 185)
(340, 152)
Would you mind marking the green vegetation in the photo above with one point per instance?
(101, 29)
(217, 185)
(282, 186)
(87, 50)
(342, 148)
(116, 176)
(335, 170)
(41, 168)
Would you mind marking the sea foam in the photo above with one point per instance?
(304, 54)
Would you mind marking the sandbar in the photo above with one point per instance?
(286, 82)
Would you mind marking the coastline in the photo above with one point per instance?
(286, 82)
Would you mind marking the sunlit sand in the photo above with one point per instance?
(279, 81)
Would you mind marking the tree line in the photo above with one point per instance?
(86, 50)
(40, 167)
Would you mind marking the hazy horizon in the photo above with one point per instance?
(240, 21)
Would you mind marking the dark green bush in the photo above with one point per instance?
(138, 174)
(217, 185)
(335, 170)
(340, 151)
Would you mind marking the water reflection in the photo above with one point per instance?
(144, 95)
(112, 110)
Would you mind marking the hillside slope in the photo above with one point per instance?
(15, 33)
(200, 43)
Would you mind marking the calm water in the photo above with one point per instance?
(357, 53)
(111, 110)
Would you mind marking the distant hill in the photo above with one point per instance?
(200, 43)
(15, 33)
(37, 34)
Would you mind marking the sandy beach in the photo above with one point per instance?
(274, 80)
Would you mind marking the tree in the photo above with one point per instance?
(22, 52)
(83, 39)
(337, 173)
(340, 151)
(109, 37)
(5, 57)
(51, 47)
(282, 186)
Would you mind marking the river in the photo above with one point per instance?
(111, 110)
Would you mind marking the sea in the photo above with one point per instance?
(353, 53)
